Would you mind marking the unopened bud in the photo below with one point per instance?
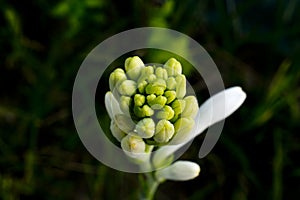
(181, 86)
(144, 111)
(173, 67)
(161, 73)
(178, 106)
(127, 87)
(191, 107)
(164, 131)
(139, 100)
(170, 95)
(133, 144)
(117, 76)
(133, 67)
(171, 83)
(156, 102)
(145, 128)
(157, 87)
(166, 113)
(179, 171)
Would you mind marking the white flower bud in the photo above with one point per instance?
(173, 67)
(179, 171)
(178, 106)
(161, 73)
(166, 113)
(164, 131)
(116, 131)
(133, 67)
(145, 128)
(191, 107)
(171, 83)
(133, 144)
(181, 86)
(127, 87)
(116, 77)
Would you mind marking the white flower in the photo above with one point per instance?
(208, 114)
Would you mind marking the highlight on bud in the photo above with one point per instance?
(178, 171)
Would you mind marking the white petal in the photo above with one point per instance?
(215, 109)
(179, 171)
(112, 105)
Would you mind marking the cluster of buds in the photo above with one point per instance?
(153, 104)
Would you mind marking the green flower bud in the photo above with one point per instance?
(144, 111)
(161, 73)
(139, 100)
(181, 86)
(125, 102)
(157, 87)
(133, 144)
(133, 67)
(156, 102)
(141, 86)
(127, 87)
(166, 113)
(171, 95)
(116, 131)
(191, 107)
(178, 106)
(117, 76)
(171, 83)
(164, 131)
(124, 122)
(173, 67)
(145, 128)
(182, 126)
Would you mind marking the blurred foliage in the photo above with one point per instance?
(255, 44)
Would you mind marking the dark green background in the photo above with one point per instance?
(255, 44)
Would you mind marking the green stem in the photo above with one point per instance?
(150, 187)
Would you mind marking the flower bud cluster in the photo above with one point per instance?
(154, 104)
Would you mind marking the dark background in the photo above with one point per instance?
(255, 44)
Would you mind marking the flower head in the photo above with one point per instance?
(149, 108)
(153, 101)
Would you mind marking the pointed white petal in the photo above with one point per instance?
(179, 171)
(215, 109)
(112, 105)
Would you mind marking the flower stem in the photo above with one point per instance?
(150, 187)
